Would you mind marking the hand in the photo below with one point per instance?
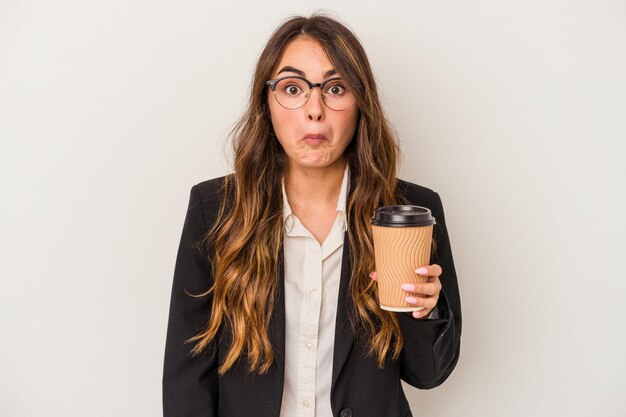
(424, 295)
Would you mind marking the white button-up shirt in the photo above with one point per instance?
(312, 275)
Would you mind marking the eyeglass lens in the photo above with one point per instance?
(293, 93)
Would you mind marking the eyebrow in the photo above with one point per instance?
(302, 73)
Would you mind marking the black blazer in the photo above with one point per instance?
(192, 387)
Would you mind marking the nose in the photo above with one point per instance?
(314, 108)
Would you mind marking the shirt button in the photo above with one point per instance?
(346, 412)
(306, 403)
(308, 345)
(312, 291)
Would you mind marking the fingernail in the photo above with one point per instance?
(421, 271)
(372, 275)
(411, 300)
(408, 287)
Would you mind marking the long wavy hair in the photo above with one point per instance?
(246, 239)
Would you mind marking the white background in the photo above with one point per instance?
(514, 111)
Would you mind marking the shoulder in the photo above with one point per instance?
(417, 195)
(211, 193)
(213, 187)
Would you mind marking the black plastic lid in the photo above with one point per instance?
(403, 216)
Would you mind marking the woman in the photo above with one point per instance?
(274, 309)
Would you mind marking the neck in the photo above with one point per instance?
(314, 186)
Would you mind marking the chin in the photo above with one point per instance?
(310, 164)
(317, 163)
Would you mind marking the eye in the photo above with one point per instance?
(336, 90)
(292, 90)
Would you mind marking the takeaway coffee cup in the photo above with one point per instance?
(402, 243)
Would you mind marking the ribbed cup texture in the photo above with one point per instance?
(398, 252)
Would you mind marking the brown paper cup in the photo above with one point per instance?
(400, 247)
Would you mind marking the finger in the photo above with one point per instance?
(425, 288)
(433, 270)
(420, 313)
(427, 302)
(374, 276)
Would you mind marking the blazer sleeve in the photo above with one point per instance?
(431, 347)
(190, 384)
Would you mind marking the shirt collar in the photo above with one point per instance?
(341, 203)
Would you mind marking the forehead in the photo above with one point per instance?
(306, 55)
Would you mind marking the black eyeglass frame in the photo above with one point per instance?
(272, 85)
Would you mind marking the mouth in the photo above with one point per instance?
(314, 139)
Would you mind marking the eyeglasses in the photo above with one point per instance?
(293, 92)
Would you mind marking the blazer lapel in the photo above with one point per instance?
(277, 340)
(344, 337)
(343, 329)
